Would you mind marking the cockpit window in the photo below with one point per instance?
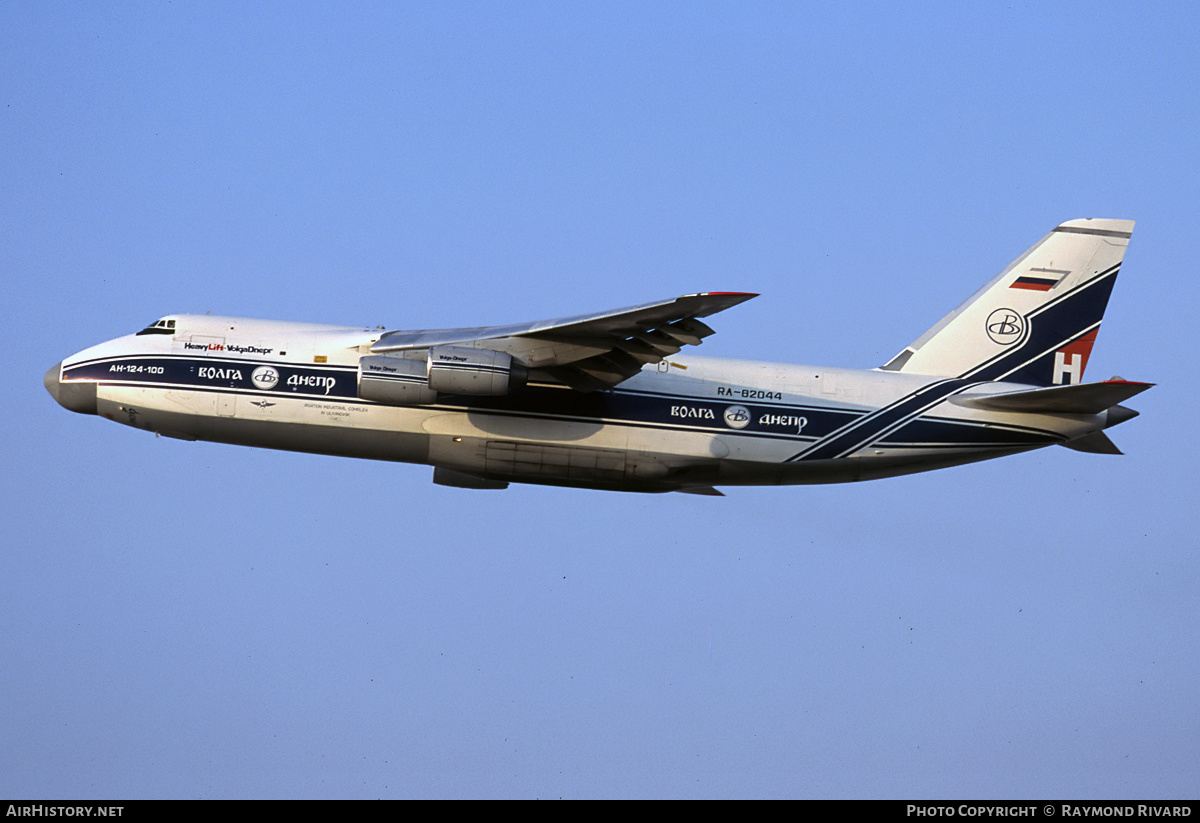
(163, 326)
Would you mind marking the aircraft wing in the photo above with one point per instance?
(587, 352)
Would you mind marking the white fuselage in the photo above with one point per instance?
(687, 423)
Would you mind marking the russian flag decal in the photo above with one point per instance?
(1032, 283)
(1039, 279)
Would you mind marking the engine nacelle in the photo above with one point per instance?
(455, 370)
(394, 380)
(398, 381)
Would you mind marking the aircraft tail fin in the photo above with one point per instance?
(1036, 321)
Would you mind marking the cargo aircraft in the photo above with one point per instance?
(610, 400)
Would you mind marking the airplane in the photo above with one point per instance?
(609, 400)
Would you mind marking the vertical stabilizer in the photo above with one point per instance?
(1035, 322)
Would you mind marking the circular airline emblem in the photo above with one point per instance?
(264, 377)
(737, 417)
(1005, 326)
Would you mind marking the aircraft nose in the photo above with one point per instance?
(78, 397)
(51, 380)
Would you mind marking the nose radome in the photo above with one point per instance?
(51, 381)
(78, 397)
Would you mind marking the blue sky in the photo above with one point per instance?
(197, 620)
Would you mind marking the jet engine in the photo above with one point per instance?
(394, 380)
(455, 370)
(399, 381)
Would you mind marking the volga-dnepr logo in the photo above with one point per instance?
(1005, 326)
(737, 417)
(264, 377)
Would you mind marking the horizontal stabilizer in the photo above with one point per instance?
(1094, 443)
(1080, 398)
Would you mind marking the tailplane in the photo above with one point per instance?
(1036, 321)
(1100, 400)
(1082, 398)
